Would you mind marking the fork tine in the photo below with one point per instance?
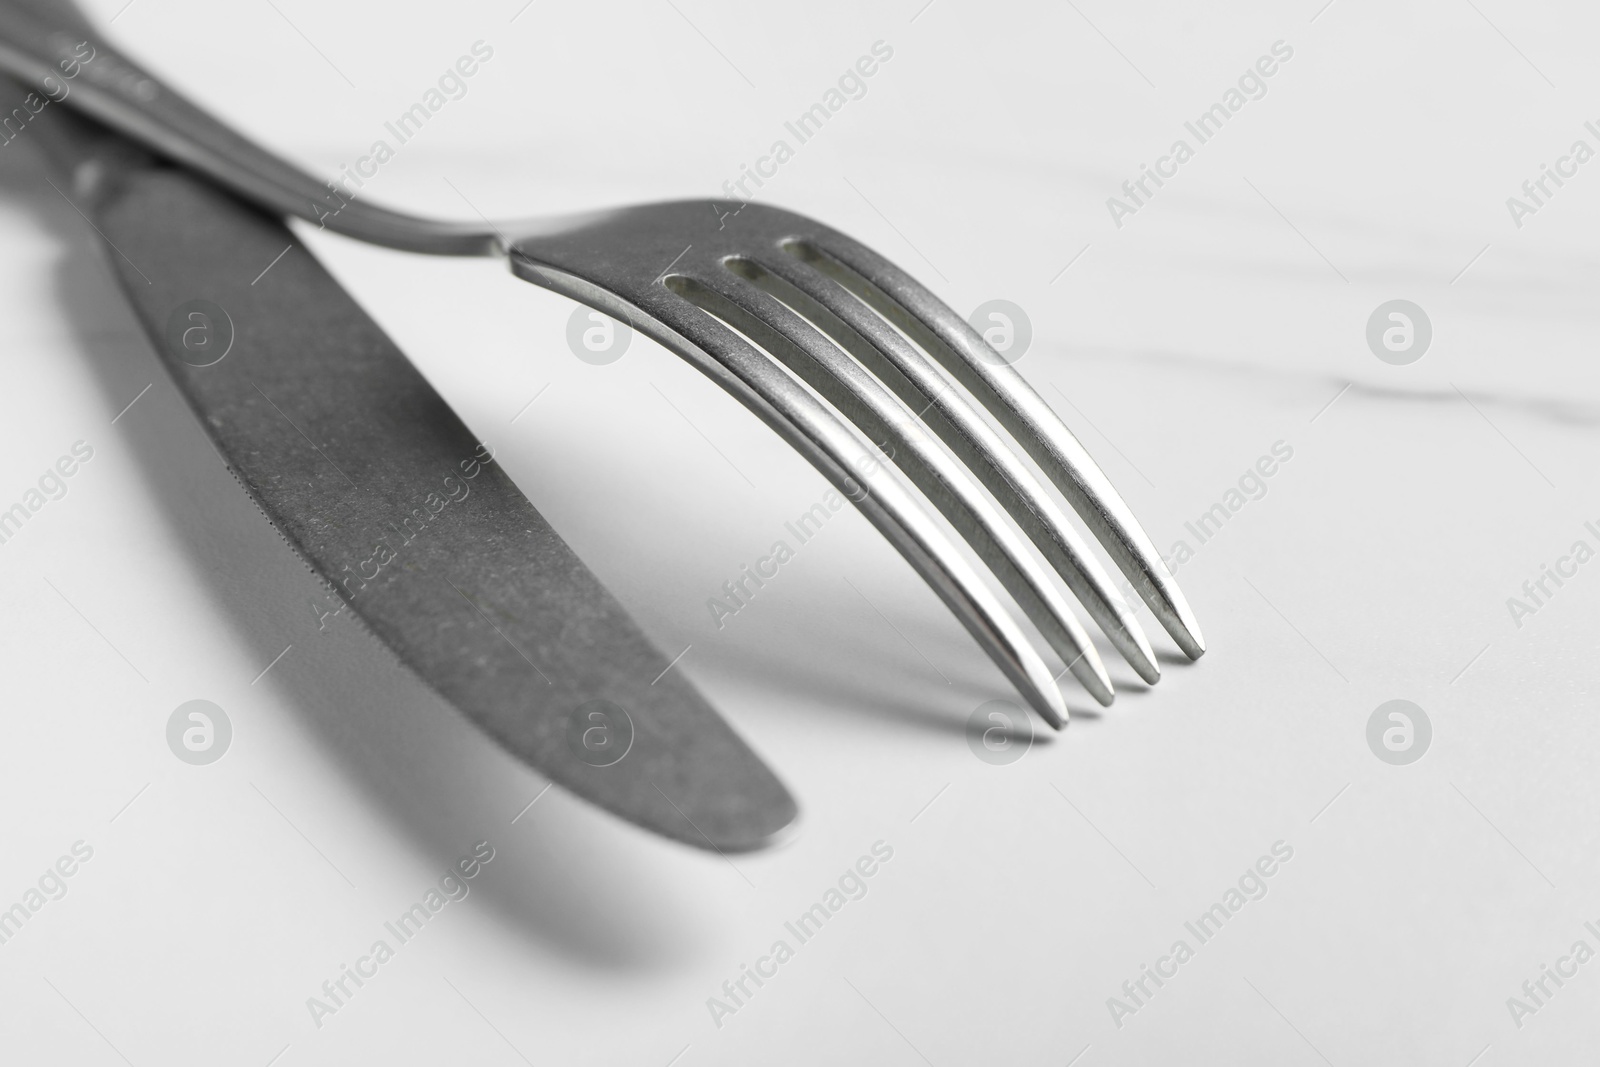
(874, 410)
(947, 337)
(921, 387)
(763, 387)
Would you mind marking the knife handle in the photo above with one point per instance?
(51, 47)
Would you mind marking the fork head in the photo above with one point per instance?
(768, 302)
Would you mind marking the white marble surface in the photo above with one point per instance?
(1218, 321)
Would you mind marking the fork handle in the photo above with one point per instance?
(52, 48)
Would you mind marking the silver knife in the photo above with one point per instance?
(405, 515)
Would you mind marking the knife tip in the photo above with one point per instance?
(777, 828)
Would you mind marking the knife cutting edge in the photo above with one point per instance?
(406, 516)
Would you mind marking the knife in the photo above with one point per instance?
(406, 517)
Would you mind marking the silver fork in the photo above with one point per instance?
(765, 302)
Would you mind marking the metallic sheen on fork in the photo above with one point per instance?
(705, 278)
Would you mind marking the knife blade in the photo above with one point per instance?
(403, 513)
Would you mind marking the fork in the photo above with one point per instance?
(767, 303)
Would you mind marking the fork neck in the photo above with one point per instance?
(56, 53)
